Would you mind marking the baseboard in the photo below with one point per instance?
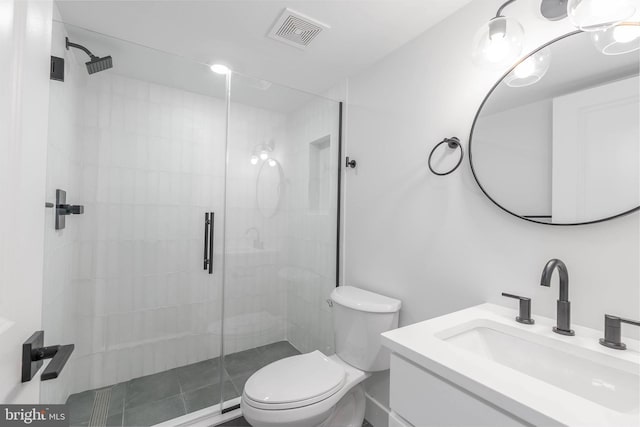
(376, 413)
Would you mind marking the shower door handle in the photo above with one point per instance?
(211, 224)
(208, 241)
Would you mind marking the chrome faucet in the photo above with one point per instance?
(563, 322)
(257, 243)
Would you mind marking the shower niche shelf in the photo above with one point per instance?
(320, 175)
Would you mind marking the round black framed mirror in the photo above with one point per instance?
(557, 139)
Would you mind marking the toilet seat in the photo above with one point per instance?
(295, 382)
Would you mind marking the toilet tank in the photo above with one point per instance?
(359, 317)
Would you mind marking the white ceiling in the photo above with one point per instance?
(234, 32)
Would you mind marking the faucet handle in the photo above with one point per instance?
(612, 331)
(525, 309)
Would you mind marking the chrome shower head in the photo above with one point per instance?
(96, 64)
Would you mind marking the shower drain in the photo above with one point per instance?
(100, 408)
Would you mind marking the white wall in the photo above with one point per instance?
(437, 243)
(310, 233)
(153, 157)
(25, 40)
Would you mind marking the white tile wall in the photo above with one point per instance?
(310, 235)
(280, 292)
(124, 281)
(254, 296)
(160, 152)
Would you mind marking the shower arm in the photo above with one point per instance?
(82, 48)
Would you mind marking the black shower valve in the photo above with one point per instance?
(63, 209)
(70, 209)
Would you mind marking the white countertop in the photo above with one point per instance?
(526, 397)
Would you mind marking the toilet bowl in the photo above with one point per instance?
(312, 390)
(315, 390)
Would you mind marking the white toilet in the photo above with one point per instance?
(317, 390)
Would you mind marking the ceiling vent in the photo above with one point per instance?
(295, 29)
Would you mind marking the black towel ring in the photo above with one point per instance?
(453, 143)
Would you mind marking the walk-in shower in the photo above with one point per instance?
(152, 149)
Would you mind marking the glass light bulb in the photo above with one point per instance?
(597, 15)
(264, 155)
(498, 43)
(497, 50)
(626, 33)
(599, 7)
(531, 70)
(619, 40)
(497, 29)
(254, 160)
(496, 36)
(525, 69)
(272, 162)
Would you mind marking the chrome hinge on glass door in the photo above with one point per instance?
(208, 241)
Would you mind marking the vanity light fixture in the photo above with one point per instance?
(597, 15)
(531, 70)
(499, 42)
(619, 40)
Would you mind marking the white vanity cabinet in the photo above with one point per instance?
(420, 398)
(479, 367)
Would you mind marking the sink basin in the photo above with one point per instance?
(602, 382)
(530, 372)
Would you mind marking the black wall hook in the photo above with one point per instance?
(350, 163)
(453, 143)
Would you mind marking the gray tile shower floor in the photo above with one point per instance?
(160, 397)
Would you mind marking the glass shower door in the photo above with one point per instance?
(142, 147)
(280, 229)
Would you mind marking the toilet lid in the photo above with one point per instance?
(294, 382)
